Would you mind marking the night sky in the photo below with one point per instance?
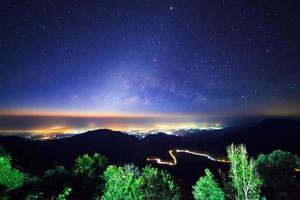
(222, 58)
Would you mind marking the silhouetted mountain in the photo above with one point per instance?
(114, 144)
(263, 137)
(268, 135)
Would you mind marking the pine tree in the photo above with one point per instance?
(207, 188)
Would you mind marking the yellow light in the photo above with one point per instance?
(174, 159)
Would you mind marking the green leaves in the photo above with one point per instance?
(88, 181)
(89, 165)
(279, 159)
(244, 180)
(10, 178)
(129, 183)
(207, 188)
(64, 195)
(122, 183)
(278, 171)
(87, 175)
(158, 184)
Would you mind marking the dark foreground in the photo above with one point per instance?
(37, 156)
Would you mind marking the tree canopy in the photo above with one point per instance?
(92, 178)
(90, 166)
(158, 184)
(129, 182)
(244, 180)
(88, 175)
(64, 195)
(10, 177)
(278, 171)
(122, 183)
(2, 151)
(207, 188)
(53, 181)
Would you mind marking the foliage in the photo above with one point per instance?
(207, 188)
(87, 180)
(2, 151)
(158, 184)
(43, 187)
(278, 172)
(129, 183)
(31, 189)
(90, 166)
(64, 195)
(54, 180)
(57, 170)
(10, 178)
(122, 183)
(243, 178)
(35, 196)
(87, 175)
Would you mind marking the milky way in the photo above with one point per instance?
(201, 57)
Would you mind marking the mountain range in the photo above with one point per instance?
(35, 156)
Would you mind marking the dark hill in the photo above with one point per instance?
(263, 137)
(266, 136)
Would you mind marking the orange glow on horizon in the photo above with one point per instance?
(140, 123)
(50, 130)
(87, 114)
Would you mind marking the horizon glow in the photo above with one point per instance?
(141, 64)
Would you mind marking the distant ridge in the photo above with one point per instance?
(279, 122)
(263, 137)
(267, 135)
(100, 133)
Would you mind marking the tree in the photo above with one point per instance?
(243, 178)
(64, 195)
(87, 175)
(129, 183)
(207, 188)
(90, 166)
(53, 181)
(2, 151)
(158, 184)
(122, 183)
(10, 178)
(278, 172)
(47, 186)
(31, 189)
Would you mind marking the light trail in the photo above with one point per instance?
(174, 159)
(202, 154)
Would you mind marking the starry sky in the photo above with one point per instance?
(194, 57)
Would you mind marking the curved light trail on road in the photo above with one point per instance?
(174, 159)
